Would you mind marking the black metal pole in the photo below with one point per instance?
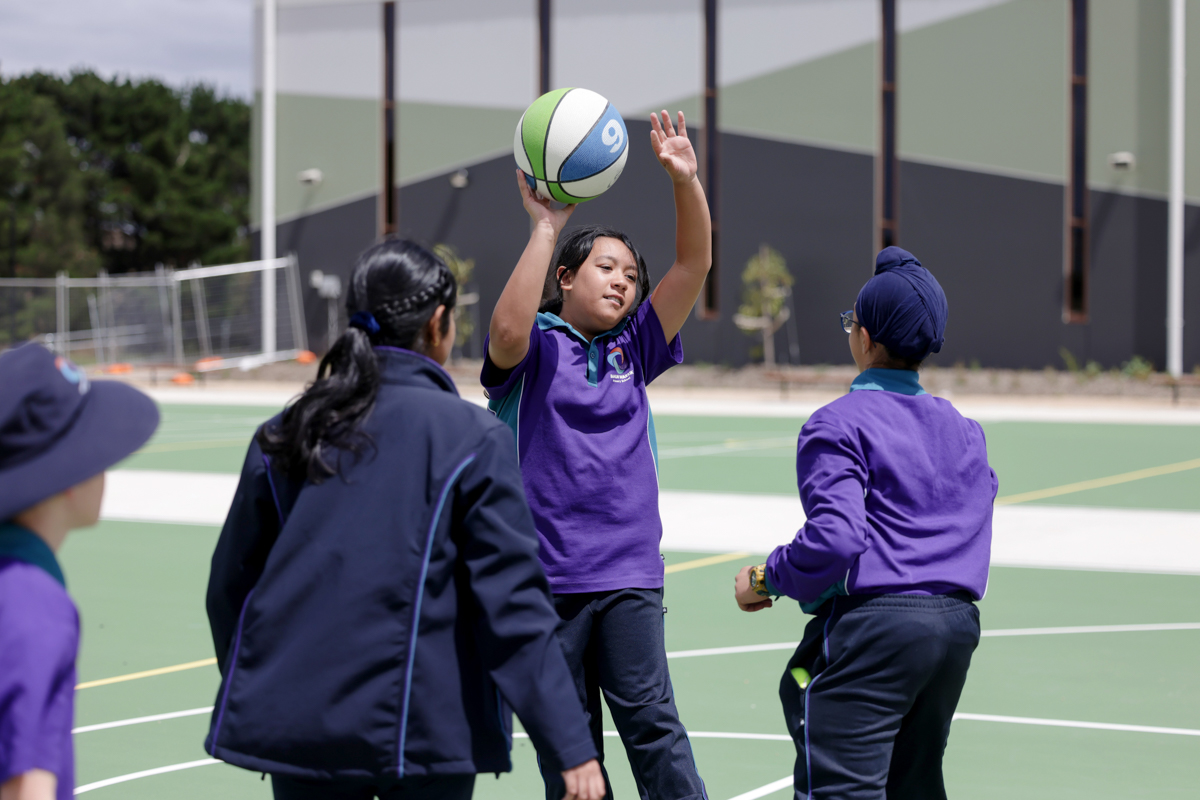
(391, 200)
(887, 178)
(543, 46)
(12, 238)
(712, 156)
(1075, 267)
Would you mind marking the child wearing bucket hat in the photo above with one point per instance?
(58, 434)
(898, 493)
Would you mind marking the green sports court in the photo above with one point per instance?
(1083, 687)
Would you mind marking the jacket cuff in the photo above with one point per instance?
(572, 757)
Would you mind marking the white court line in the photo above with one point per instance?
(759, 648)
(191, 712)
(763, 791)
(1163, 626)
(1071, 723)
(721, 651)
(146, 773)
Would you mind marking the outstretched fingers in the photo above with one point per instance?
(666, 124)
(682, 125)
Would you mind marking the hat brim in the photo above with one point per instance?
(113, 422)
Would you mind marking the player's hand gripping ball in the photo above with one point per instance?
(571, 144)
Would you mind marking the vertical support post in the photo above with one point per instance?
(711, 148)
(267, 239)
(296, 303)
(1175, 231)
(389, 203)
(164, 306)
(61, 345)
(887, 193)
(1076, 256)
(177, 319)
(544, 21)
(200, 309)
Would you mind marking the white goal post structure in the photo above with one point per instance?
(208, 318)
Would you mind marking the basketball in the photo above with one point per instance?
(571, 144)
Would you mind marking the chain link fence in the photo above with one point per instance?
(201, 315)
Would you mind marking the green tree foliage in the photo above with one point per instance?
(121, 175)
(766, 284)
(462, 269)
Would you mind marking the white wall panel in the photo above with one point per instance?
(468, 52)
(328, 50)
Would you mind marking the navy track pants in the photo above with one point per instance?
(886, 674)
(614, 643)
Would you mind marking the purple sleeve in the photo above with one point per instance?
(649, 343)
(38, 643)
(499, 382)
(832, 477)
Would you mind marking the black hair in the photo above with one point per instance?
(400, 284)
(573, 249)
(895, 361)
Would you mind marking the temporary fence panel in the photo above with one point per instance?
(167, 316)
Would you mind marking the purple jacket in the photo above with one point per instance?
(898, 493)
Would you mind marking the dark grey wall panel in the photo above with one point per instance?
(995, 244)
(329, 241)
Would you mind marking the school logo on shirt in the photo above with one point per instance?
(616, 359)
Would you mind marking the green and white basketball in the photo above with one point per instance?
(571, 144)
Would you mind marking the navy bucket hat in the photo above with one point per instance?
(903, 306)
(57, 428)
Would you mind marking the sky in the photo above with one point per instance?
(176, 41)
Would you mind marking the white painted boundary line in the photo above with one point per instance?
(1164, 626)
(133, 776)
(191, 712)
(1071, 723)
(759, 648)
(722, 651)
(763, 791)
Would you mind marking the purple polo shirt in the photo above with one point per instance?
(585, 441)
(898, 495)
(39, 639)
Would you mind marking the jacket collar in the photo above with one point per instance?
(397, 365)
(23, 544)
(900, 381)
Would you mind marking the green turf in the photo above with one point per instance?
(140, 588)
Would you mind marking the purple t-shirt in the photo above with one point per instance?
(39, 639)
(898, 495)
(585, 441)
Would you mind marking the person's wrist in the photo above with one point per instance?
(545, 227)
(682, 181)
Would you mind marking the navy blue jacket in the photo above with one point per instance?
(381, 623)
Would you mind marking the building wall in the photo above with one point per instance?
(983, 131)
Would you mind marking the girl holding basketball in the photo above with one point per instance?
(569, 376)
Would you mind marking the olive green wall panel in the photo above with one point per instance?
(988, 90)
(436, 138)
(339, 136)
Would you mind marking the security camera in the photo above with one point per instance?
(310, 177)
(1123, 160)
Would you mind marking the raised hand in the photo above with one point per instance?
(673, 148)
(540, 209)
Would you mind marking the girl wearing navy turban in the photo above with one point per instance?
(898, 495)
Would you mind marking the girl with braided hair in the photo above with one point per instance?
(376, 601)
